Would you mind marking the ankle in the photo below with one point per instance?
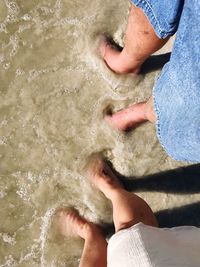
(92, 232)
(140, 109)
(113, 193)
(133, 60)
(149, 111)
(88, 230)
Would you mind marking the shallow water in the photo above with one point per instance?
(54, 89)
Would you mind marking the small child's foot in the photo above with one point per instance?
(102, 176)
(71, 224)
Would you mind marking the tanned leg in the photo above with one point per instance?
(140, 42)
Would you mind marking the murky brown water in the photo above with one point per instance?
(54, 88)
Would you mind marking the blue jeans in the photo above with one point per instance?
(177, 91)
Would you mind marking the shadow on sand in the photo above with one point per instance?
(185, 180)
(155, 62)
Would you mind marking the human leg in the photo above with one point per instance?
(128, 208)
(140, 42)
(150, 24)
(176, 92)
(95, 247)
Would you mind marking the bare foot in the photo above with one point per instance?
(116, 60)
(129, 118)
(102, 176)
(70, 223)
(139, 43)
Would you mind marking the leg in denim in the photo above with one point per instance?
(177, 91)
(176, 95)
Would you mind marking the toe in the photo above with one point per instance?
(68, 222)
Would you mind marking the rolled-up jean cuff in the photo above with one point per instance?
(149, 12)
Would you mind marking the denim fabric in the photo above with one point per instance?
(163, 15)
(177, 91)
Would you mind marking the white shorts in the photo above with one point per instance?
(145, 246)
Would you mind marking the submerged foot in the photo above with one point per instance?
(118, 60)
(128, 118)
(103, 177)
(70, 223)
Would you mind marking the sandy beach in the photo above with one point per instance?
(54, 90)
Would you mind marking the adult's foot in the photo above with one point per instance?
(129, 118)
(103, 177)
(140, 42)
(118, 61)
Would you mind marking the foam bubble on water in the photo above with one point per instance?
(8, 238)
(3, 123)
(67, 21)
(31, 177)
(3, 140)
(68, 90)
(58, 8)
(2, 58)
(45, 10)
(26, 17)
(72, 174)
(14, 41)
(89, 19)
(23, 193)
(13, 10)
(9, 262)
(32, 254)
(6, 65)
(11, 18)
(3, 194)
(46, 219)
(32, 75)
(19, 72)
(12, 6)
(3, 28)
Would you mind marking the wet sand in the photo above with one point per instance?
(54, 88)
